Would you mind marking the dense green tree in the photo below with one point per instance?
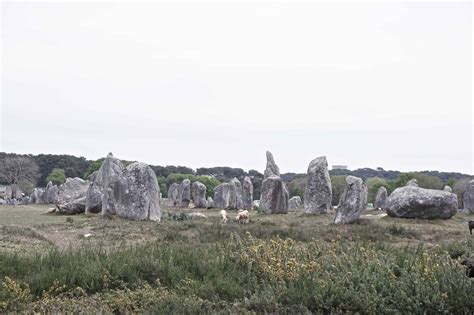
(297, 186)
(57, 176)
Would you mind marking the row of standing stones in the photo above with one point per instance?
(133, 192)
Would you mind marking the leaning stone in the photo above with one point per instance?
(271, 169)
(352, 203)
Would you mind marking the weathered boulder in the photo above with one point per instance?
(235, 194)
(51, 193)
(137, 194)
(222, 196)
(381, 198)
(448, 188)
(72, 196)
(271, 168)
(104, 180)
(209, 203)
(468, 197)
(37, 196)
(173, 195)
(274, 195)
(352, 201)
(247, 193)
(198, 192)
(414, 202)
(294, 203)
(318, 193)
(185, 193)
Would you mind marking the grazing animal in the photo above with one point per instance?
(471, 226)
(242, 216)
(223, 216)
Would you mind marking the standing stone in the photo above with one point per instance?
(468, 197)
(185, 193)
(222, 196)
(235, 194)
(448, 189)
(104, 180)
(37, 196)
(274, 195)
(198, 191)
(294, 203)
(352, 201)
(318, 193)
(51, 193)
(271, 169)
(173, 195)
(414, 202)
(381, 198)
(137, 194)
(247, 193)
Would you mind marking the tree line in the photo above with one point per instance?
(43, 168)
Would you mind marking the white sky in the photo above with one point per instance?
(213, 84)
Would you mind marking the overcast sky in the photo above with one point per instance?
(210, 84)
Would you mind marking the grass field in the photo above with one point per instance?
(292, 263)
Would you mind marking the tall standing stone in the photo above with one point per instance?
(352, 202)
(247, 193)
(274, 195)
(381, 198)
(468, 197)
(137, 194)
(104, 181)
(173, 195)
(222, 196)
(271, 169)
(235, 194)
(198, 192)
(185, 193)
(318, 193)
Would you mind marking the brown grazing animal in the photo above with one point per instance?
(471, 226)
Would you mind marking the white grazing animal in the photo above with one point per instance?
(224, 216)
(243, 216)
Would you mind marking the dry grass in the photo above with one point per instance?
(27, 227)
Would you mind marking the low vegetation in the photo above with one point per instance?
(281, 263)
